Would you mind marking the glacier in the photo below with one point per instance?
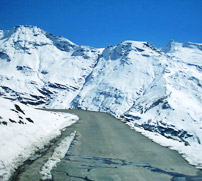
(157, 92)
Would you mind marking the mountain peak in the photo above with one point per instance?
(26, 27)
(26, 36)
(22, 33)
(134, 43)
(171, 46)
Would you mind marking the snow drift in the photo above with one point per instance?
(24, 130)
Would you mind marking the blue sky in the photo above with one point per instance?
(99, 23)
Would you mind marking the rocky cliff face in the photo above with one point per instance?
(159, 90)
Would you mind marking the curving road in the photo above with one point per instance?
(105, 149)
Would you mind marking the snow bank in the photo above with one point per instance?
(23, 131)
(192, 153)
(58, 154)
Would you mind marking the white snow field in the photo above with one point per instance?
(24, 130)
(156, 91)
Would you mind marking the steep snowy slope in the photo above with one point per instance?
(120, 77)
(37, 67)
(187, 52)
(172, 105)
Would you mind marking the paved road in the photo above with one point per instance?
(107, 149)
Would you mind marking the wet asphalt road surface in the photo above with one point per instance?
(107, 149)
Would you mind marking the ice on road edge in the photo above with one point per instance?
(57, 155)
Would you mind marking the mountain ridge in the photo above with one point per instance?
(158, 90)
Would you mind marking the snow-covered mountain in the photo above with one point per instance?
(148, 88)
(188, 52)
(39, 68)
(158, 90)
(121, 76)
